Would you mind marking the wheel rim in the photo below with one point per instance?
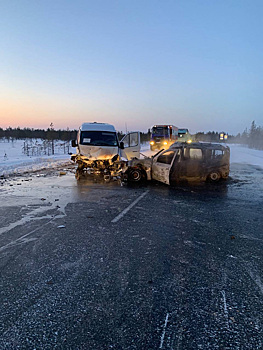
(214, 176)
(135, 175)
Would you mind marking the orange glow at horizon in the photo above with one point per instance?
(25, 112)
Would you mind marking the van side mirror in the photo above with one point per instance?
(74, 143)
(121, 145)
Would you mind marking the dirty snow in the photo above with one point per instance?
(13, 160)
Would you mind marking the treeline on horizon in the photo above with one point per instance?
(50, 134)
(28, 133)
(252, 137)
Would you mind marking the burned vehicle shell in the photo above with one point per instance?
(193, 162)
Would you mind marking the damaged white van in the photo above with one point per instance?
(99, 150)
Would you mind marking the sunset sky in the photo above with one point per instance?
(132, 63)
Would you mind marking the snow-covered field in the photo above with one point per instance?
(20, 157)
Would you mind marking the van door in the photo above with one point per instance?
(162, 165)
(191, 165)
(132, 145)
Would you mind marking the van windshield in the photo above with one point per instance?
(98, 138)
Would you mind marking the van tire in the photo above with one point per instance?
(79, 173)
(214, 176)
(136, 174)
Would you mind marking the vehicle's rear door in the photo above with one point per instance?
(132, 145)
(162, 165)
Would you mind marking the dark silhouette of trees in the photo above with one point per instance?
(255, 136)
(210, 136)
(27, 133)
(51, 137)
(51, 134)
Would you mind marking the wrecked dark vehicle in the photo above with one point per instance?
(182, 162)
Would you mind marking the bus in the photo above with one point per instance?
(163, 136)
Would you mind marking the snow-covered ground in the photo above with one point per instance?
(244, 155)
(14, 158)
(22, 156)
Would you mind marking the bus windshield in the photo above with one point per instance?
(160, 130)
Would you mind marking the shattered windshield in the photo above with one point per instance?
(98, 138)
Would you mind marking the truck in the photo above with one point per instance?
(100, 152)
(184, 135)
(163, 136)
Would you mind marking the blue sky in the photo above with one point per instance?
(195, 64)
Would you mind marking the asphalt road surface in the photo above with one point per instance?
(90, 265)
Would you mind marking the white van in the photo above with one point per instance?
(98, 148)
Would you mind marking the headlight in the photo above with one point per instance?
(152, 143)
(165, 143)
(189, 141)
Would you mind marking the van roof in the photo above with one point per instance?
(97, 127)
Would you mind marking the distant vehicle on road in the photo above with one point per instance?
(163, 136)
(98, 149)
(194, 162)
(184, 135)
(223, 136)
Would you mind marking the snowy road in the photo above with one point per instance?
(102, 266)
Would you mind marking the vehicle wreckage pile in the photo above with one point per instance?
(100, 153)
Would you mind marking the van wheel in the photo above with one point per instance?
(214, 177)
(79, 173)
(136, 175)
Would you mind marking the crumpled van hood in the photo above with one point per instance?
(98, 152)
